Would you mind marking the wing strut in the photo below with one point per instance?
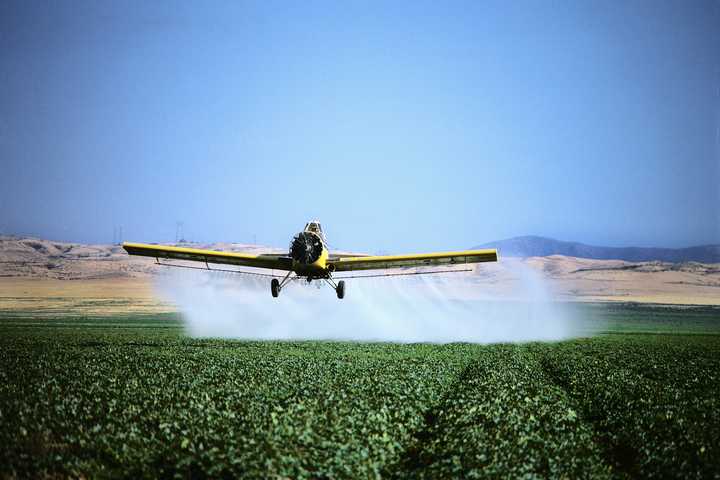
(224, 270)
(404, 274)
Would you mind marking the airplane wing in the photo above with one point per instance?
(463, 257)
(276, 262)
(335, 256)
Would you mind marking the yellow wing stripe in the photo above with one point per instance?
(276, 262)
(415, 260)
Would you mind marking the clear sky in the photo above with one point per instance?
(402, 126)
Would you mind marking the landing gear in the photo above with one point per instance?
(338, 287)
(276, 286)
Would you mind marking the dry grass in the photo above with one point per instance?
(90, 297)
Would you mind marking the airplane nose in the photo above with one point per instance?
(306, 248)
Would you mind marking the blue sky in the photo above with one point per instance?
(402, 126)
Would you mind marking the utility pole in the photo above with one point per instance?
(178, 232)
(117, 235)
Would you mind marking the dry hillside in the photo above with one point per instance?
(33, 268)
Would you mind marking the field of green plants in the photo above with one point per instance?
(134, 397)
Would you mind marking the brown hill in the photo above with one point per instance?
(534, 246)
(37, 258)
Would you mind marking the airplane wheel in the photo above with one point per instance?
(340, 290)
(275, 287)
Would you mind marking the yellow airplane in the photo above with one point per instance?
(310, 259)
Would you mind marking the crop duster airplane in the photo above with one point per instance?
(310, 259)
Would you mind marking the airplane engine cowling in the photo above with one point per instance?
(306, 248)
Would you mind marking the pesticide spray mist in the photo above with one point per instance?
(433, 308)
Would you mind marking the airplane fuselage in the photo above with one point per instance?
(317, 269)
(309, 252)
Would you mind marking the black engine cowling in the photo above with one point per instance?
(306, 247)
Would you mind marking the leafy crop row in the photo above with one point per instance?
(220, 408)
(142, 401)
(503, 418)
(653, 402)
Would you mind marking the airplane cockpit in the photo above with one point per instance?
(315, 227)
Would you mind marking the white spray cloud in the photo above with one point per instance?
(432, 308)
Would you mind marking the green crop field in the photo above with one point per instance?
(134, 397)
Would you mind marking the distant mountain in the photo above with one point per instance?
(531, 246)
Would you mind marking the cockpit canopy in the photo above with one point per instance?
(315, 227)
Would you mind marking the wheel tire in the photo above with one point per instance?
(340, 290)
(275, 287)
